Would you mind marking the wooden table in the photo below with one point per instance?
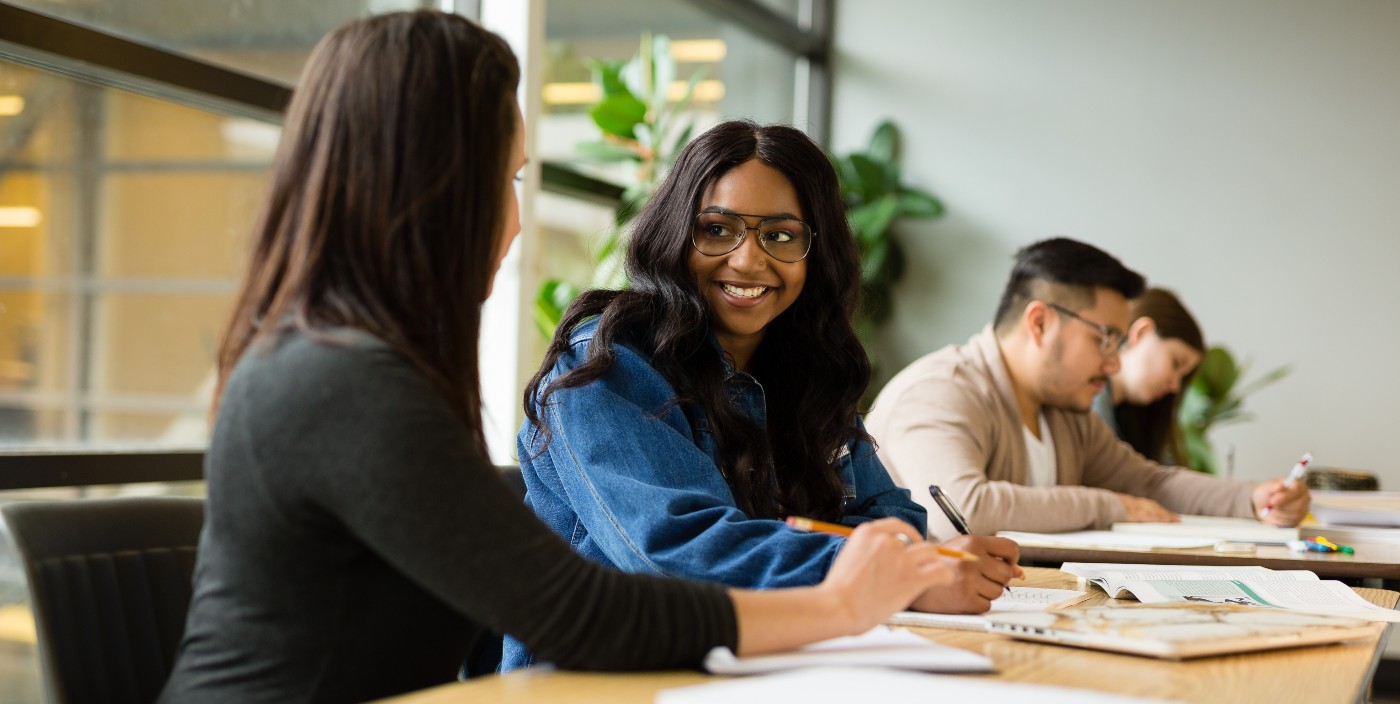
(1339, 674)
(1371, 561)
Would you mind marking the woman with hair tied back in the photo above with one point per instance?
(357, 541)
(1163, 350)
(673, 425)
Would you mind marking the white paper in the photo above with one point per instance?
(879, 647)
(836, 684)
(1018, 599)
(1108, 540)
(1214, 529)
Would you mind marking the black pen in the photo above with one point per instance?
(954, 515)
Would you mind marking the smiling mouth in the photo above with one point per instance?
(737, 292)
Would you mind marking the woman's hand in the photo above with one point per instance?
(882, 568)
(1287, 504)
(968, 587)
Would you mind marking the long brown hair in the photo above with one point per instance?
(1152, 429)
(385, 207)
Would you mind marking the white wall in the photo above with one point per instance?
(1245, 153)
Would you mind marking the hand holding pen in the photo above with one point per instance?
(955, 517)
(1284, 502)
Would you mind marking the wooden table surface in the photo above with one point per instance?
(1338, 674)
(1374, 561)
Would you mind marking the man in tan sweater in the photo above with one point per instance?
(1002, 424)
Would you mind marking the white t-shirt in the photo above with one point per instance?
(1043, 469)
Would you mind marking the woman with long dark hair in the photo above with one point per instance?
(673, 426)
(357, 541)
(1164, 348)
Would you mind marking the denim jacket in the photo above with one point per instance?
(631, 479)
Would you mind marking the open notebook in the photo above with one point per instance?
(1015, 599)
(1180, 631)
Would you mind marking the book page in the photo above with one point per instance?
(1113, 576)
(1319, 597)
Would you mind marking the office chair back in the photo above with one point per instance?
(109, 582)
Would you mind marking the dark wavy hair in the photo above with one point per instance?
(812, 366)
(1152, 429)
(385, 208)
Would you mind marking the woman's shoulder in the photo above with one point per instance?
(295, 368)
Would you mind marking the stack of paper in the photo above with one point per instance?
(1215, 529)
(878, 647)
(874, 685)
(1358, 508)
(1108, 540)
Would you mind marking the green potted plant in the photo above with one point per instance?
(639, 125)
(1214, 398)
(876, 198)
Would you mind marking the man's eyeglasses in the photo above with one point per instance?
(1111, 341)
(718, 233)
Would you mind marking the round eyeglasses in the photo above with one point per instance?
(783, 238)
(1111, 340)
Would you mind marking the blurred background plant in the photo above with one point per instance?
(640, 118)
(876, 198)
(1215, 398)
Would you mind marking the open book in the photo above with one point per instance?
(1298, 590)
(1016, 599)
(1181, 630)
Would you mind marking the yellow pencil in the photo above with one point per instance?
(815, 526)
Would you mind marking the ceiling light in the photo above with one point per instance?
(11, 105)
(20, 217)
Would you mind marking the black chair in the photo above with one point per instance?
(510, 473)
(110, 582)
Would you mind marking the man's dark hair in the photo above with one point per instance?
(1066, 272)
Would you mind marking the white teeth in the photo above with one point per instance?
(744, 292)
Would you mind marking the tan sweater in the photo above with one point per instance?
(951, 419)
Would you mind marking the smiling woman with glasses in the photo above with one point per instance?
(673, 425)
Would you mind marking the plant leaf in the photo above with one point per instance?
(605, 152)
(619, 114)
(871, 179)
(870, 222)
(915, 203)
(1265, 380)
(663, 72)
(608, 76)
(552, 300)
(883, 143)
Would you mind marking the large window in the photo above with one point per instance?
(124, 210)
(124, 220)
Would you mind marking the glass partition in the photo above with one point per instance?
(123, 224)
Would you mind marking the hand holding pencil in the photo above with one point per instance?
(967, 584)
